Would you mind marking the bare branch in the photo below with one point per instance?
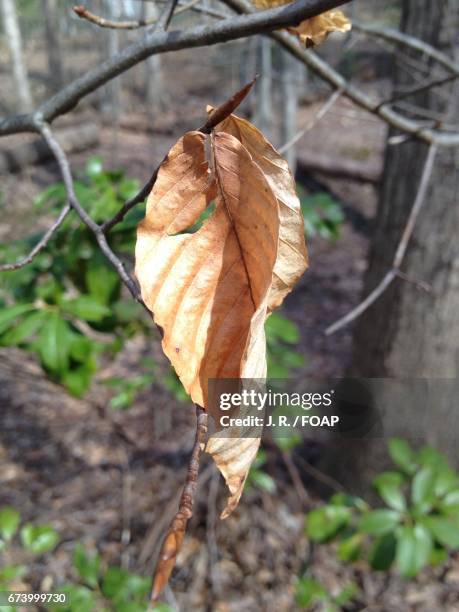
(66, 174)
(394, 272)
(313, 122)
(43, 243)
(174, 536)
(336, 80)
(395, 36)
(84, 13)
(161, 42)
(167, 14)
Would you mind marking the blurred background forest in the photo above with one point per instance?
(95, 428)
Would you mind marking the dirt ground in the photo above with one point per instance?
(111, 479)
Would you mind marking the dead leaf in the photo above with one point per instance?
(312, 31)
(211, 291)
(205, 288)
(292, 257)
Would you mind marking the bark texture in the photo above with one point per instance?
(408, 333)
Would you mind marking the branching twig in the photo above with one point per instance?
(215, 117)
(43, 243)
(313, 122)
(167, 14)
(394, 272)
(161, 42)
(66, 174)
(84, 13)
(395, 36)
(336, 80)
(174, 536)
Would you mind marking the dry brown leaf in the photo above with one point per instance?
(292, 257)
(204, 288)
(312, 31)
(211, 291)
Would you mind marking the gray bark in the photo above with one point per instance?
(19, 70)
(409, 333)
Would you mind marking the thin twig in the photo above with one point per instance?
(394, 272)
(431, 84)
(43, 243)
(174, 536)
(216, 116)
(84, 13)
(320, 476)
(401, 38)
(66, 174)
(318, 65)
(313, 122)
(159, 41)
(167, 14)
(296, 478)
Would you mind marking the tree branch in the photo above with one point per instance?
(41, 244)
(96, 229)
(174, 536)
(161, 42)
(84, 13)
(336, 80)
(394, 272)
(395, 36)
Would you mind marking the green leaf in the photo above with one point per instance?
(54, 343)
(80, 598)
(382, 553)
(389, 487)
(444, 531)
(78, 380)
(87, 308)
(347, 594)
(349, 549)
(402, 455)
(423, 489)
(118, 584)
(278, 326)
(87, 566)
(102, 282)
(263, 481)
(11, 572)
(414, 545)
(94, 166)
(323, 523)
(308, 591)
(9, 522)
(10, 313)
(38, 538)
(28, 326)
(379, 522)
(450, 503)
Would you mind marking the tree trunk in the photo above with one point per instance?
(53, 45)
(408, 333)
(13, 35)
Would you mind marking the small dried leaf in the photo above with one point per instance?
(312, 31)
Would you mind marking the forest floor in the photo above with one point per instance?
(110, 479)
